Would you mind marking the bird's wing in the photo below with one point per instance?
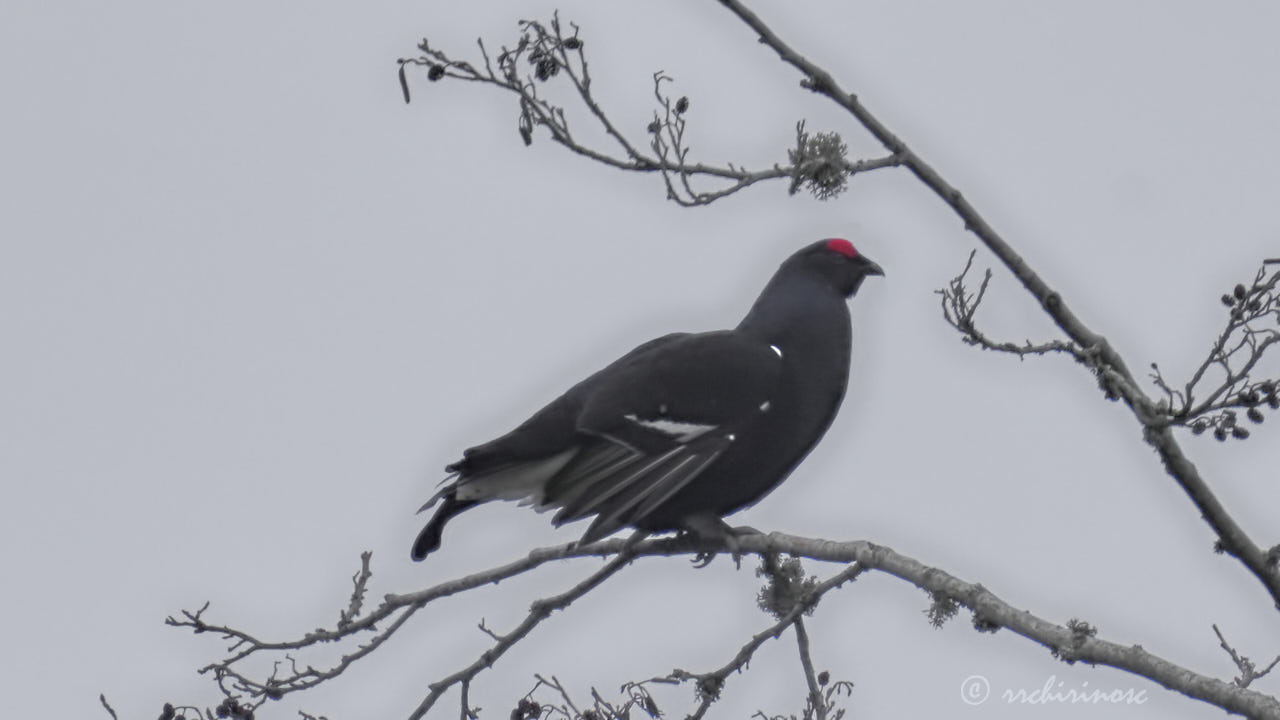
(517, 465)
(553, 428)
(658, 422)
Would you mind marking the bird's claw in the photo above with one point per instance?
(715, 529)
(703, 559)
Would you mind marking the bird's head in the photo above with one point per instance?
(838, 262)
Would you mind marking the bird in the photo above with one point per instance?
(684, 429)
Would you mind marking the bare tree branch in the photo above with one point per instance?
(709, 685)
(539, 611)
(1252, 328)
(569, 710)
(1248, 671)
(817, 706)
(1114, 374)
(360, 581)
(1072, 642)
(959, 306)
(550, 52)
(102, 698)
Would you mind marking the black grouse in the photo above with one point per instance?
(684, 429)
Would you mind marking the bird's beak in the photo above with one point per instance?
(874, 269)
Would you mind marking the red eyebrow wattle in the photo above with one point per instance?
(842, 246)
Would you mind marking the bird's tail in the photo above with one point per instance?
(429, 539)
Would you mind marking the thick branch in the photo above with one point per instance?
(1066, 642)
(1114, 371)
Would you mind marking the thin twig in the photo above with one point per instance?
(464, 702)
(959, 307)
(539, 611)
(360, 582)
(710, 684)
(670, 156)
(102, 698)
(571, 709)
(1220, 356)
(810, 677)
(1248, 671)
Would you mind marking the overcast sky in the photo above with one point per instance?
(251, 304)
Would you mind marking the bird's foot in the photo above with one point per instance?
(702, 559)
(713, 529)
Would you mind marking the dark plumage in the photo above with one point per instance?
(684, 429)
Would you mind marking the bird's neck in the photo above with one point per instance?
(807, 324)
(799, 312)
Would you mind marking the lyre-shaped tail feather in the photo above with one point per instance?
(429, 539)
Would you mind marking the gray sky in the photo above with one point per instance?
(252, 303)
